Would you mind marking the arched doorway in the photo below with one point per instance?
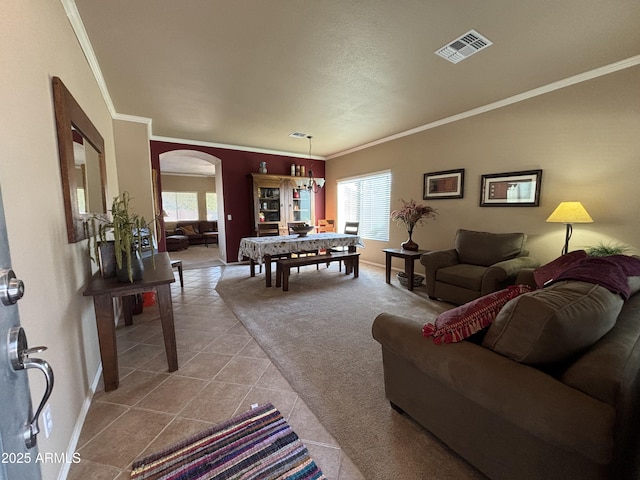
(195, 163)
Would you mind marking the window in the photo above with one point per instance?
(180, 206)
(367, 200)
(212, 206)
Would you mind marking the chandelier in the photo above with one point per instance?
(310, 183)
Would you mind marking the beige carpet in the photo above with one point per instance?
(319, 335)
(198, 256)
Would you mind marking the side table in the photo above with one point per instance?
(409, 258)
(210, 237)
(104, 290)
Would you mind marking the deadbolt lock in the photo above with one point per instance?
(11, 288)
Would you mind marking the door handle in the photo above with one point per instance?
(19, 358)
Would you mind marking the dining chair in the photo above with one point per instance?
(325, 225)
(350, 228)
(291, 226)
(270, 230)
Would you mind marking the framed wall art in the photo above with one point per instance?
(445, 184)
(513, 189)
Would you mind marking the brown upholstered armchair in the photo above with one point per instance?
(480, 263)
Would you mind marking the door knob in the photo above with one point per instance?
(19, 358)
(11, 288)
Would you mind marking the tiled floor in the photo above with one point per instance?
(223, 371)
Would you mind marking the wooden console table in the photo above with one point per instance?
(104, 290)
(409, 257)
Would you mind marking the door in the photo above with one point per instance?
(18, 426)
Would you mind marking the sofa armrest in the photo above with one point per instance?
(435, 260)
(525, 277)
(522, 395)
(499, 273)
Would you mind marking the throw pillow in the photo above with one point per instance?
(551, 270)
(188, 230)
(461, 322)
(552, 324)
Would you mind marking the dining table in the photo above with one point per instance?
(261, 250)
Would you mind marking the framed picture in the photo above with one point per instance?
(445, 184)
(513, 189)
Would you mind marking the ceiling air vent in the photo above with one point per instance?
(463, 47)
(298, 135)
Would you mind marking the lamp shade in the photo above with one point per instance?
(570, 212)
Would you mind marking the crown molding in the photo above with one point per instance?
(81, 34)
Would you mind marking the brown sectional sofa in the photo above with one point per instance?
(192, 233)
(574, 416)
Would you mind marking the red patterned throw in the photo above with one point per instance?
(461, 322)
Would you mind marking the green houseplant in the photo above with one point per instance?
(128, 232)
(605, 249)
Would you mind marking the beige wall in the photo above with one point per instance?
(38, 43)
(584, 137)
(134, 165)
(184, 183)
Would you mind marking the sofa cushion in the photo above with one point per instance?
(461, 322)
(554, 323)
(188, 230)
(552, 269)
(484, 248)
(463, 275)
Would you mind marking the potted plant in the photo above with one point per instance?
(410, 215)
(128, 231)
(605, 249)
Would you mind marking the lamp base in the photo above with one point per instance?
(567, 237)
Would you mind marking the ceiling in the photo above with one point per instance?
(348, 72)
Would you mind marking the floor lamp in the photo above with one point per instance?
(569, 213)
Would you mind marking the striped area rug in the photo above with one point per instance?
(256, 445)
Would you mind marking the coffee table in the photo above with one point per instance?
(409, 257)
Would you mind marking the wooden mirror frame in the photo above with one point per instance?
(70, 115)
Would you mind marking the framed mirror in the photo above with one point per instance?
(82, 162)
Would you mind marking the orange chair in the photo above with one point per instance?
(325, 225)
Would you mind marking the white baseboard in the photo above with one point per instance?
(75, 436)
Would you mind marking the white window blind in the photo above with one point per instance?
(367, 200)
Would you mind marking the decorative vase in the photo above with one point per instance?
(107, 258)
(409, 244)
(137, 268)
(262, 167)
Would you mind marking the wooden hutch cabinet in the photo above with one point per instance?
(278, 199)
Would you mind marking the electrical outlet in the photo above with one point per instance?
(228, 217)
(47, 419)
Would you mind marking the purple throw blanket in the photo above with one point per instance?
(609, 272)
